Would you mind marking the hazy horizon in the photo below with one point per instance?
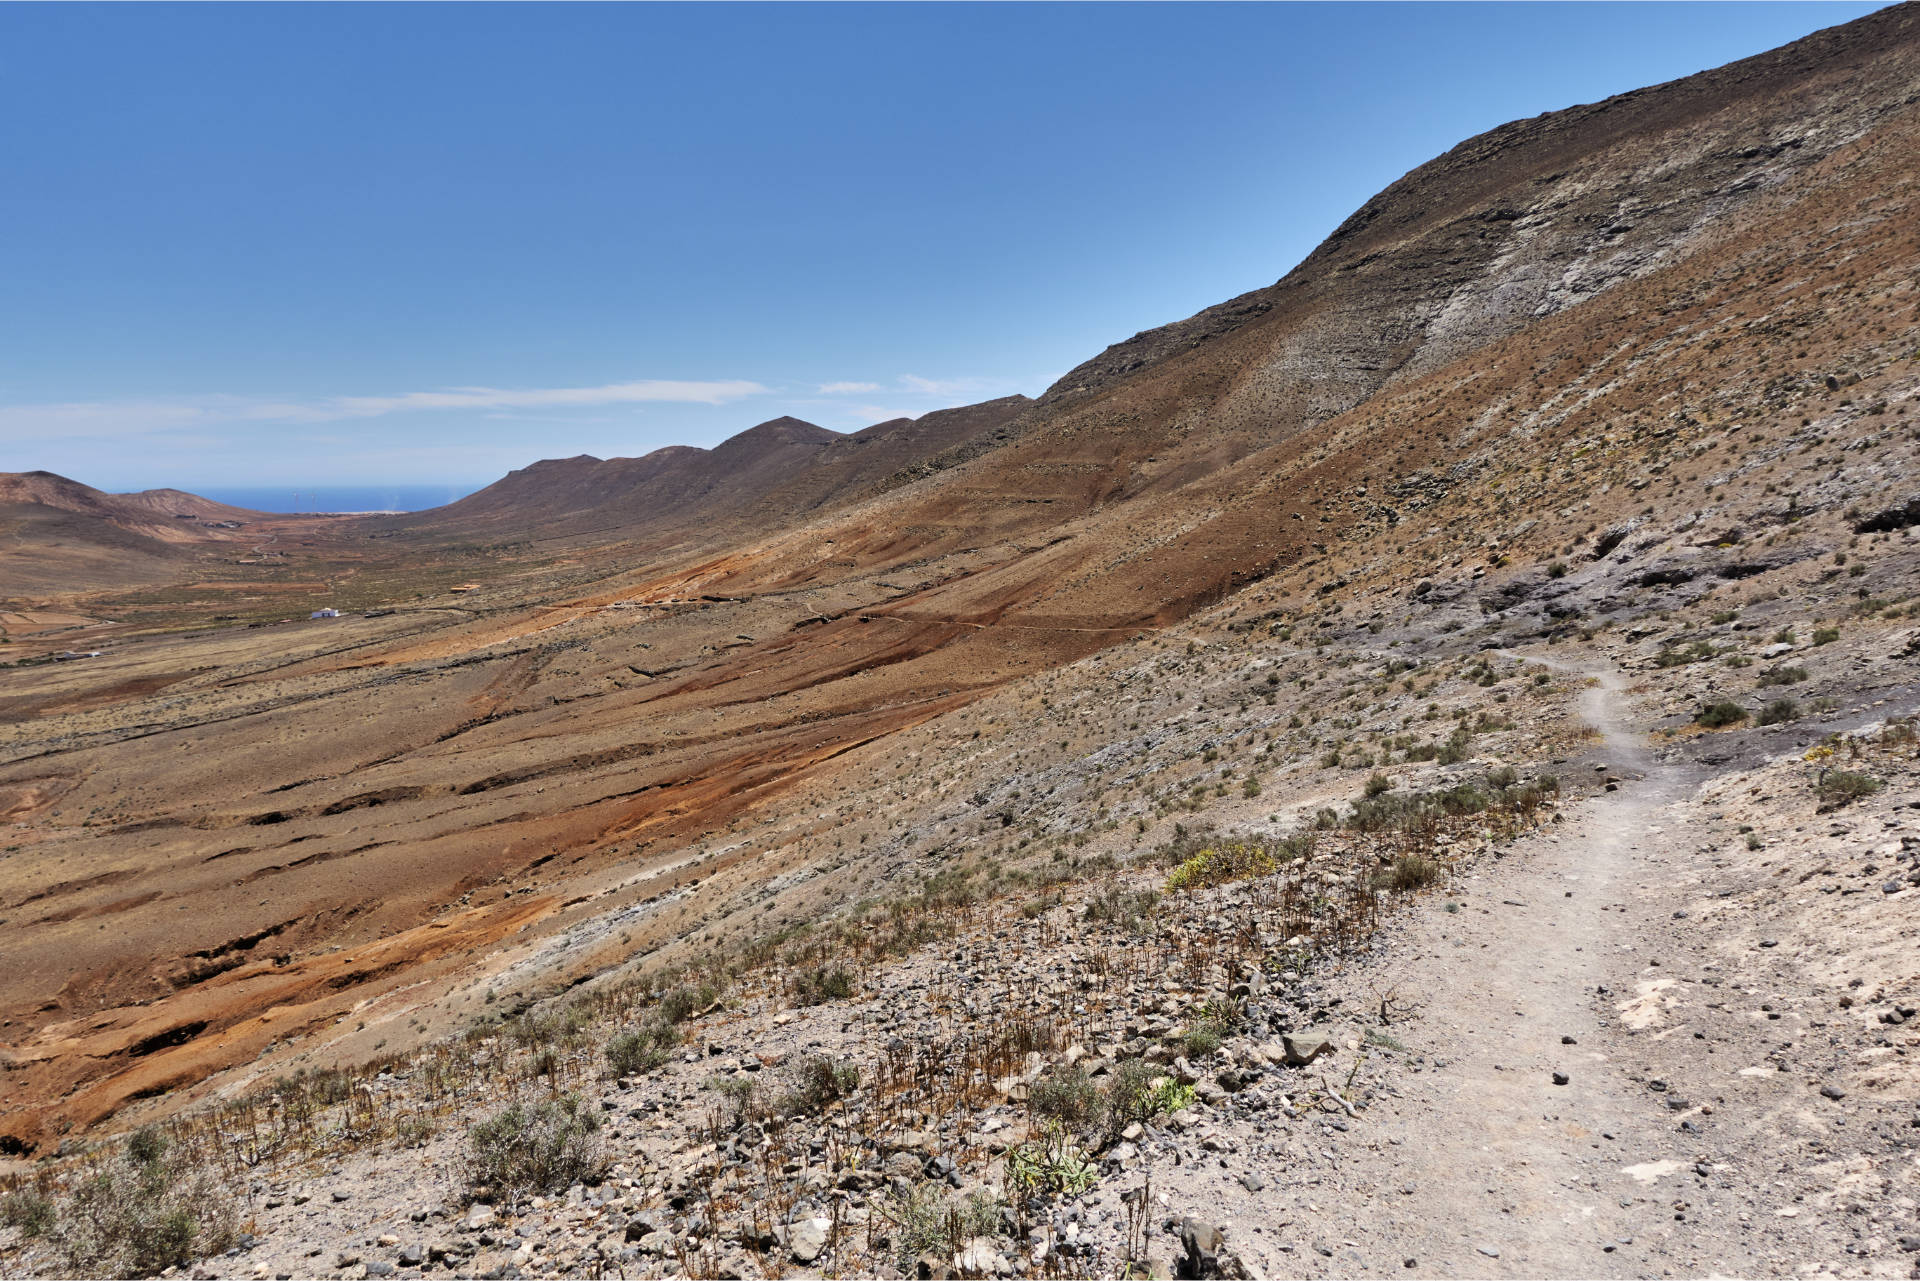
(331, 498)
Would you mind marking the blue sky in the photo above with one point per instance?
(387, 244)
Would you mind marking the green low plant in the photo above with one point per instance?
(1169, 1096)
(1129, 1092)
(1680, 656)
(1222, 863)
(741, 1095)
(1050, 1165)
(1201, 1040)
(1839, 787)
(1720, 714)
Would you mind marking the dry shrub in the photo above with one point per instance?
(540, 1148)
(144, 1212)
(644, 1048)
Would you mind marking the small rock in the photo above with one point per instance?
(807, 1239)
(1252, 1182)
(1203, 1243)
(1305, 1046)
(1488, 1250)
(1561, 1078)
(1833, 1092)
(978, 1258)
(490, 1263)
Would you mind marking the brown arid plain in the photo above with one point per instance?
(1576, 470)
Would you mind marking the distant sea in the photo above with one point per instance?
(336, 498)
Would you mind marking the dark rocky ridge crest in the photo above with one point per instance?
(1465, 205)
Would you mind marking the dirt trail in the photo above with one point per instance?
(1480, 1164)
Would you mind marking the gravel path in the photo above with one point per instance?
(1568, 998)
(1485, 1164)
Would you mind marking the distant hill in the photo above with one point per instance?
(59, 535)
(776, 471)
(169, 515)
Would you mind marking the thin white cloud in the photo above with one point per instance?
(847, 389)
(881, 414)
(686, 393)
(944, 386)
(82, 418)
(125, 418)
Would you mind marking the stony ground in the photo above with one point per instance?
(1658, 1031)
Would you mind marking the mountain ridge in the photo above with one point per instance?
(773, 470)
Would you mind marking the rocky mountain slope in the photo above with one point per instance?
(1624, 392)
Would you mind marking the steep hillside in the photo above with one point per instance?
(1498, 238)
(1625, 388)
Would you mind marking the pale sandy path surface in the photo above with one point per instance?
(1474, 1162)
